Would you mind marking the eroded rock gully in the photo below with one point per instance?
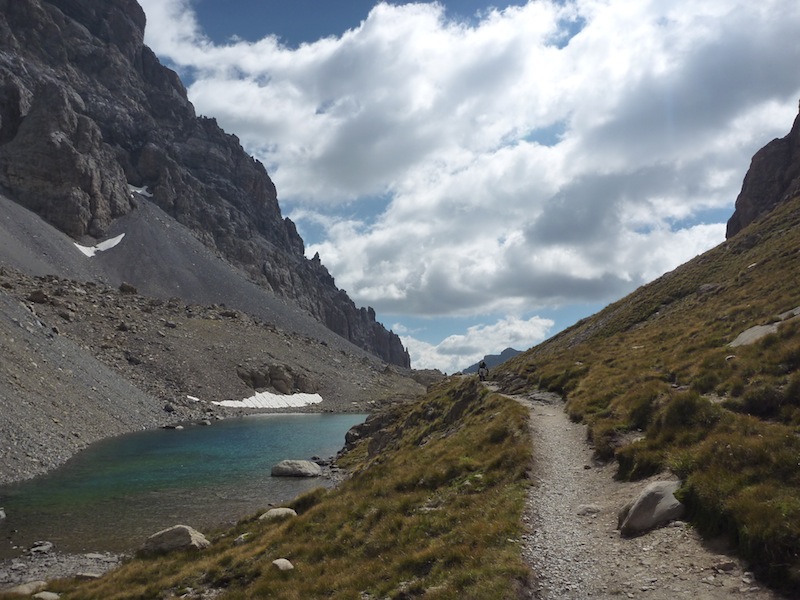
(572, 544)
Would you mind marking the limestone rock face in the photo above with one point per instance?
(179, 537)
(86, 110)
(773, 178)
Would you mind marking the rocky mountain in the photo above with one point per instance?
(87, 113)
(493, 360)
(773, 178)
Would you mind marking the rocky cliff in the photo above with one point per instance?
(773, 178)
(87, 110)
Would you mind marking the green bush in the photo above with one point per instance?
(762, 401)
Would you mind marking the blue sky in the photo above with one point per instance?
(486, 174)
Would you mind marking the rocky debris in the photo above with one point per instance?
(654, 507)
(773, 178)
(278, 514)
(178, 537)
(71, 376)
(583, 556)
(87, 109)
(296, 468)
(54, 565)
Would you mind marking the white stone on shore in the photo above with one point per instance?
(296, 468)
(178, 537)
(27, 589)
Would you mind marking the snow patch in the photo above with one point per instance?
(102, 246)
(270, 400)
(142, 191)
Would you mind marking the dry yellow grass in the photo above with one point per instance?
(657, 365)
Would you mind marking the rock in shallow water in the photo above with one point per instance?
(296, 468)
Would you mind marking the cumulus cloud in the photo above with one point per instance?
(457, 352)
(551, 153)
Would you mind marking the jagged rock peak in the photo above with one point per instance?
(86, 109)
(773, 178)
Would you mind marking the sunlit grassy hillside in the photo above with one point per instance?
(433, 509)
(655, 379)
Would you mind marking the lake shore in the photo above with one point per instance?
(44, 562)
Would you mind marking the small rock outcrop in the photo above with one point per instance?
(773, 178)
(296, 468)
(178, 537)
(654, 507)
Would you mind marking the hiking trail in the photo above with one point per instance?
(573, 546)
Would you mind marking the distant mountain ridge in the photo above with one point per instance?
(87, 110)
(493, 360)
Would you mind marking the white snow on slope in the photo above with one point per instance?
(142, 191)
(105, 245)
(270, 400)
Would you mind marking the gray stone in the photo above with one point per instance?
(588, 509)
(655, 507)
(42, 547)
(178, 537)
(296, 468)
(752, 335)
(46, 596)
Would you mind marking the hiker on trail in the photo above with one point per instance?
(483, 371)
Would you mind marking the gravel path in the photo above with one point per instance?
(573, 545)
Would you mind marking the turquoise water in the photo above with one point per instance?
(114, 494)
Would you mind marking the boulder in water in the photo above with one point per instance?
(296, 468)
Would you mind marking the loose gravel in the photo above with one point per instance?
(574, 548)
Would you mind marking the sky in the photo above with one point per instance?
(485, 174)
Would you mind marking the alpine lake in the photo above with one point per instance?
(113, 495)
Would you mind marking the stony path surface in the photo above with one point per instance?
(573, 545)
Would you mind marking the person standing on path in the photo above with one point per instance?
(483, 371)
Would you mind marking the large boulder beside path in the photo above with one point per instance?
(654, 507)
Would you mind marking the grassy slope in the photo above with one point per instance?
(433, 509)
(654, 378)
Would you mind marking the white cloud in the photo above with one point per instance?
(457, 352)
(554, 153)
